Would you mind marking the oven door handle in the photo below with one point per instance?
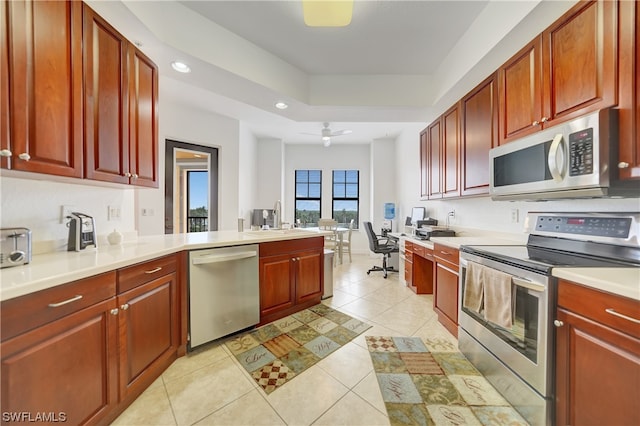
(528, 284)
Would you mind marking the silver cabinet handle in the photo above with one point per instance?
(5, 153)
(619, 315)
(114, 311)
(124, 307)
(64, 302)
(558, 323)
(24, 156)
(535, 123)
(154, 270)
(127, 174)
(623, 165)
(135, 176)
(544, 119)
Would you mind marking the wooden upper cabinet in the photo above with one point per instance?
(121, 101)
(143, 119)
(629, 90)
(479, 110)
(106, 101)
(568, 71)
(424, 164)
(520, 93)
(450, 152)
(42, 86)
(434, 144)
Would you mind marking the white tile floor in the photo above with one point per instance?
(209, 387)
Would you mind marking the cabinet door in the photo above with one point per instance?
(445, 299)
(43, 129)
(106, 101)
(520, 93)
(65, 368)
(424, 164)
(629, 91)
(579, 59)
(450, 152)
(276, 284)
(597, 373)
(143, 120)
(5, 146)
(309, 274)
(433, 153)
(148, 324)
(479, 135)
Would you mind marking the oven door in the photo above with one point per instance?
(525, 348)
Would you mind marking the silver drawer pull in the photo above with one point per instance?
(446, 253)
(154, 270)
(64, 302)
(617, 314)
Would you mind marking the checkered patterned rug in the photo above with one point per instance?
(275, 353)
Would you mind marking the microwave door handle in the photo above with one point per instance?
(556, 167)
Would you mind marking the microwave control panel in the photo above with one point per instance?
(581, 152)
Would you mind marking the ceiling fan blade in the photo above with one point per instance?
(341, 132)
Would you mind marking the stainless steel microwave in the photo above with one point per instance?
(576, 159)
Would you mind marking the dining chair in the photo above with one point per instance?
(330, 241)
(346, 240)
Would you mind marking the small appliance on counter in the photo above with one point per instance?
(426, 232)
(82, 232)
(15, 247)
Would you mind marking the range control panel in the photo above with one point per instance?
(614, 227)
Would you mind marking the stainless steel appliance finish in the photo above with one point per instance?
(224, 296)
(328, 273)
(82, 232)
(577, 159)
(15, 247)
(518, 360)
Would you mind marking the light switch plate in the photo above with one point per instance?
(66, 210)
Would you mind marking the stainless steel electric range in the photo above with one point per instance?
(515, 352)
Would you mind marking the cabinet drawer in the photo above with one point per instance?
(446, 253)
(601, 307)
(33, 310)
(133, 276)
(409, 246)
(408, 256)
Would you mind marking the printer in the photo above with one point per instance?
(425, 232)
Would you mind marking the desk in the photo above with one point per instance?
(339, 233)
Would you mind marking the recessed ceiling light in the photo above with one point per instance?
(281, 105)
(180, 66)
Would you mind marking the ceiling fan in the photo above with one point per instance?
(327, 134)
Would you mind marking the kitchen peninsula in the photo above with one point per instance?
(83, 318)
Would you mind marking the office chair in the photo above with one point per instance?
(382, 245)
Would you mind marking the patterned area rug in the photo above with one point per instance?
(423, 387)
(275, 353)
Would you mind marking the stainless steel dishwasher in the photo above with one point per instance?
(224, 296)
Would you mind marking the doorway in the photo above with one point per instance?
(191, 188)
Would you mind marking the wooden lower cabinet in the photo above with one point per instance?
(597, 358)
(66, 369)
(418, 268)
(148, 329)
(445, 298)
(291, 277)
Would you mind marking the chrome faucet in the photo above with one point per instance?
(277, 215)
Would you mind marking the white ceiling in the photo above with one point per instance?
(388, 71)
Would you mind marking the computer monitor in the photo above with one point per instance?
(417, 213)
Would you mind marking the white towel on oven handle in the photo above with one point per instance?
(498, 297)
(473, 287)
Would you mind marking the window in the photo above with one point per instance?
(346, 197)
(308, 197)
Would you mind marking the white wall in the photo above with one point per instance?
(383, 180)
(335, 157)
(35, 204)
(247, 174)
(270, 178)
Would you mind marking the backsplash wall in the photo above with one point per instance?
(35, 204)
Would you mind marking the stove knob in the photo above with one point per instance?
(558, 323)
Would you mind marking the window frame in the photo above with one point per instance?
(345, 198)
(308, 183)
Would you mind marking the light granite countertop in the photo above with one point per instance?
(52, 269)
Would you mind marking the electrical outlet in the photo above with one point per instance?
(66, 210)
(113, 213)
(515, 216)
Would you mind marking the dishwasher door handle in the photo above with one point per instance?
(216, 258)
